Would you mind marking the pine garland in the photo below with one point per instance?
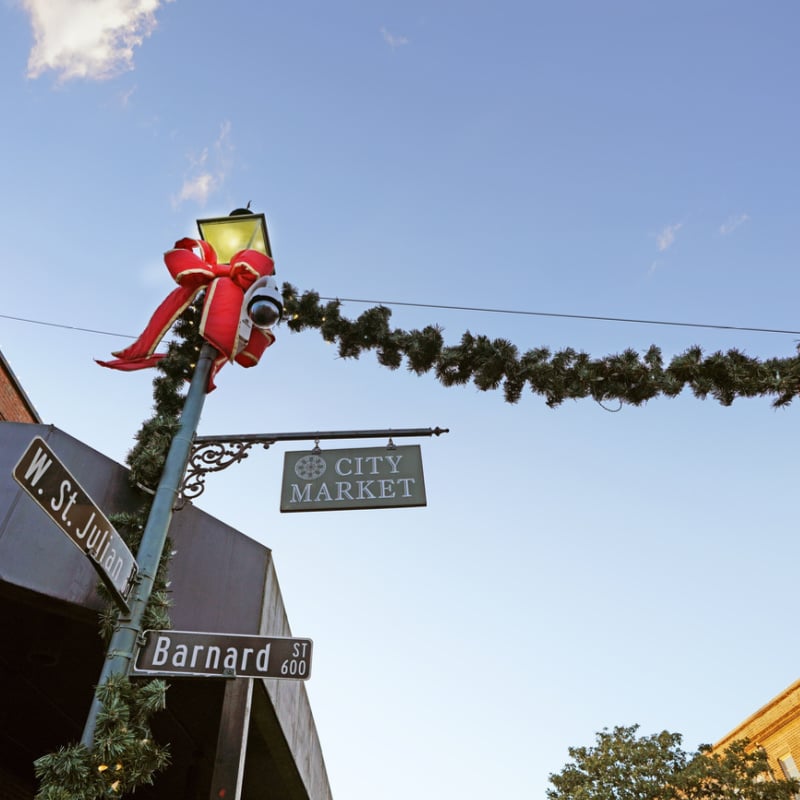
(124, 756)
(628, 377)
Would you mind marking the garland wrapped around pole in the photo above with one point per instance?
(220, 312)
(125, 755)
(567, 374)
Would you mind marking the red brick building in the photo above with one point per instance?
(14, 403)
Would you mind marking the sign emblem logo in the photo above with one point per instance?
(310, 468)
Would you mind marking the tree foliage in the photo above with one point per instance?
(623, 765)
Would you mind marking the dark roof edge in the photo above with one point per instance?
(18, 386)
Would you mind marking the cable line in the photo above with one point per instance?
(472, 309)
(562, 316)
(67, 327)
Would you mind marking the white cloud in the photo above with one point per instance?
(125, 97)
(665, 239)
(207, 171)
(392, 40)
(197, 188)
(732, 223)
(92, 39)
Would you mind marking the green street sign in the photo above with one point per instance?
(355, 478)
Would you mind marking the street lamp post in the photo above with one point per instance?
(242, 230)
(261, 307)
(122, 646)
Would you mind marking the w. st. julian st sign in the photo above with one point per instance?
(57, 492)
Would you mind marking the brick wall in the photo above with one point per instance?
(775, 727)
(14, 405)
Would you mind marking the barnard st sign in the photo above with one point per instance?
(224, 655)
(362, 477)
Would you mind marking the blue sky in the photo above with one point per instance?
(575, 568)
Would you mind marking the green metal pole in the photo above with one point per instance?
(122, 647)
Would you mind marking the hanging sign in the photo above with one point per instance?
(361, 477)
(60, 496)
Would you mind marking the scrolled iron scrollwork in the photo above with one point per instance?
(208, 457)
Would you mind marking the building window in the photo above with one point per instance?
(788, 767)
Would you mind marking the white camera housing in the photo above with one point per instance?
(262, 307)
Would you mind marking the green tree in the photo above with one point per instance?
(625, 766)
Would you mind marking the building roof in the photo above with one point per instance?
(770, 719)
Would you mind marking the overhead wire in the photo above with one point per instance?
(470, 309)
(564, 316)
(65, 327)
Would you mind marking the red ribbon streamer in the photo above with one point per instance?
(225, 286)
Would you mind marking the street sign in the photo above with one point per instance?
(362, 477)
(223, 655)
(60, 496)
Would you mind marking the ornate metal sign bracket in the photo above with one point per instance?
(210, 456)
(215, 453)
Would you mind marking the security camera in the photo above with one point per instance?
(262, 307)
(263, 303)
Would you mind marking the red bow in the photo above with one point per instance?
(222, 307)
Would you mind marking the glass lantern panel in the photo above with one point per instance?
(229, 235)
